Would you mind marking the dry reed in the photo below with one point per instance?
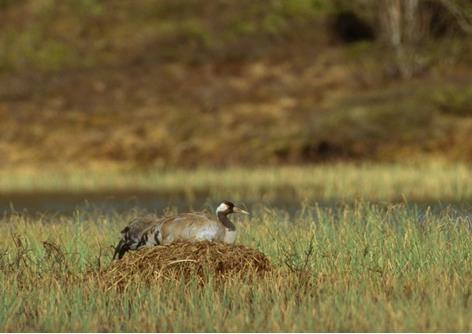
(184, 261)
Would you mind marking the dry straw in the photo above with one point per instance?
(185, 261)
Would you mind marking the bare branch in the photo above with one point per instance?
(462, 13)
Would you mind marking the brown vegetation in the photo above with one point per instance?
(185, 261)
(183, 83)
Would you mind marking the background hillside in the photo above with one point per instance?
(185, 83)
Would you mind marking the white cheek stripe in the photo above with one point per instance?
(222, 207)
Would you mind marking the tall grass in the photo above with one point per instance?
(356, 268)
(427, 181)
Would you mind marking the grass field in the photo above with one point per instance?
(354, 268)
(350, 146)
(427, 181)
(357, 266)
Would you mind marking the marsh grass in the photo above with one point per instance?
(428, 181)
(362, 267)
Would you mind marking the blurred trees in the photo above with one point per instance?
(462, 11)
(402, 29)
(293, 80)
(406, 24)
(55, 34)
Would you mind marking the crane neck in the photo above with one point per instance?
(223, 218)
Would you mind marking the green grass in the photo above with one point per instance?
(372, 268)
(430, 181)
(79, 34)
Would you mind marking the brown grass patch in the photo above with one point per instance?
(185, 261)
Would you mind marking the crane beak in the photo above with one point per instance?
(238, 210)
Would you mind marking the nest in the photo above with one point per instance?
(186, 261)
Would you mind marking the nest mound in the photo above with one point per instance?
(185, 260)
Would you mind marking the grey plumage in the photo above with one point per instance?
(194, 226)
(141, 231)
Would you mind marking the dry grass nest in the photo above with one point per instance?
(184, 261)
